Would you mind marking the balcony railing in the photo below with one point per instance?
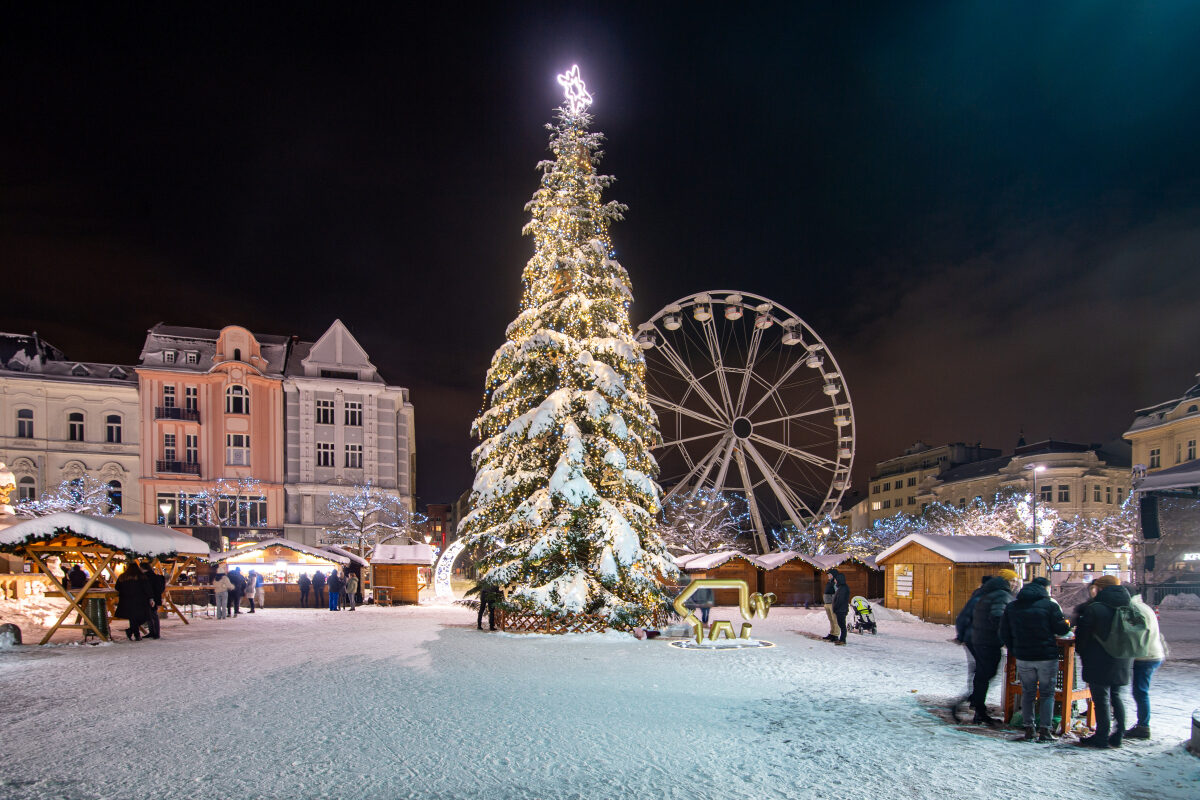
(176, 412)
(177, 467)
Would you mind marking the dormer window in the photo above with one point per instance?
(1193, 409)
(237, 354)
(237, 399)
(79, 370)
(193, 357)
(116, 372)
(168, 356)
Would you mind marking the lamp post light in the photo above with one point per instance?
(165, 508)
(1035, 469)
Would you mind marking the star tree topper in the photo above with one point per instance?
(578, 98)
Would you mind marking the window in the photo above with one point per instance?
(1191, 450)
(75, 426)
(912, 481)
(191, 448)
(168, 447)
(1108, 495)
(114, 497)
(1064, 493)
(354, 456)
(1045, 494)
(1178, 452)
(324, 454)
(26, 489)
(1193, 409)
(912, 499)
(887, 503)
(193, 357)
(25, 423)
(1112, 567)
(875, 489)
(112, 429)
(962, 502)
(191, 400)
(324, 412)
(1120, 496)
(237, 400)
(876, 505)
(169, 356)
(1155, 458)
(354, 414)
(248, 512)
(1096, 493)
(237, 354)
(887, 487)
(237, 449)
(168, 396)
(184, 508)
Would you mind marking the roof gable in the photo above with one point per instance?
(339, 353)
(958, 549)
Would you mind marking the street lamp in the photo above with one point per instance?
(165, 508)
(1035, 469)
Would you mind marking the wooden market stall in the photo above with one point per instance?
(863, 576)
(728, 564)
(794, 578)
(932, 577)
(102, 546)
(401, 571)
(358, 566)
(281, 562)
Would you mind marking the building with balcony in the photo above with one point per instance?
(345, 426)
(212, 409)
(894, 489)
(63, 419)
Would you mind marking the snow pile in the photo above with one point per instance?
(1180, 602)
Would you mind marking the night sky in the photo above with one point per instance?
(989, 211)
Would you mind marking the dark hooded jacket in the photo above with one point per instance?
(841, 598)
(133, 597)
(965, 618)
(985, 623)
(1095, 623)
(1030, 624)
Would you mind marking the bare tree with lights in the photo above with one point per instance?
(564, 500)
(231, 503)
(367, 517)
(706, 522)
(84, 495)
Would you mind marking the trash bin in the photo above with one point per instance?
(97, 611)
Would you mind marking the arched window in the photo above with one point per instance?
(114, 497)
(75, 426)
(26, 489)
(237, 354)
(25, 423)
(1193, 409)
(112, 429)
(237, 400)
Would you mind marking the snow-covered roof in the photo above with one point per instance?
(772, 561)
(421, 554)
(706, 561)
(356, 559)
(135, 538)
(318, 552)
(959, 549)
(831, 560)
(1183, 476)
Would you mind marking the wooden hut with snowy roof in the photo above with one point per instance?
(863, 575)
(101, 546)
(932, 577)
(794, 578)
(728, 564)
(398, 572)
(281, 562)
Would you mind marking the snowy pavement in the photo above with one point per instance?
(414, 702)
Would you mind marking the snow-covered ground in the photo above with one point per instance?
(414, 702)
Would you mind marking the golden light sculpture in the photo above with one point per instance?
(751, 606)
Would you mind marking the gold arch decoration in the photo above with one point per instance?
(752, 606)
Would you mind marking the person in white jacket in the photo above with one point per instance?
(1143, 671)
(222, 587)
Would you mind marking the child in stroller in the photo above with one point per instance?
(864, 620)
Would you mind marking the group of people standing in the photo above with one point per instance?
(1116, 637)
(343, 591)
(139, 598)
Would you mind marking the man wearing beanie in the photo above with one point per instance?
(985, 638)
(1029, 629)
(1103, 673)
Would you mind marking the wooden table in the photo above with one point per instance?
(383, 595)
(1066, 690)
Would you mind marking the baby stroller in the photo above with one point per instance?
(864, 620)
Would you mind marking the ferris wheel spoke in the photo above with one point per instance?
(714, 352)
(691, 439)
(724, 443)
(719, 482)
(751, 502)
(682, 368)
(696, 468)
(775, 386)
(790, 417)
(751, 357)
(802, 455)
(662, 402)
(786, 497)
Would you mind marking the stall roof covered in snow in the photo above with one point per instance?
(318, 552)
(959, 549)
(355, 559)
(705, 561)
(772, 561)
(831, 560)
(135, 538)
(421, 554)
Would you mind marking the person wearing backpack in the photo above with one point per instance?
(1143, 670)
(1104, 672)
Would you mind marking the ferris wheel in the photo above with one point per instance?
(752, 402)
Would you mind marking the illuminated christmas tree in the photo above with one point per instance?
(564, 501)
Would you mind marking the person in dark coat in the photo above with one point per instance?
(318, 587)
(962, 635)
(305, 585)
(985, 638)
(827, 599)
(1104, 674)
(158, 585)
(841, 606)
(335, 587)
(488, 594)
(239, 587)
(133, 600)
(77, 578)
(1030, 628)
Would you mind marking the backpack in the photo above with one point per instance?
(1130, 634)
